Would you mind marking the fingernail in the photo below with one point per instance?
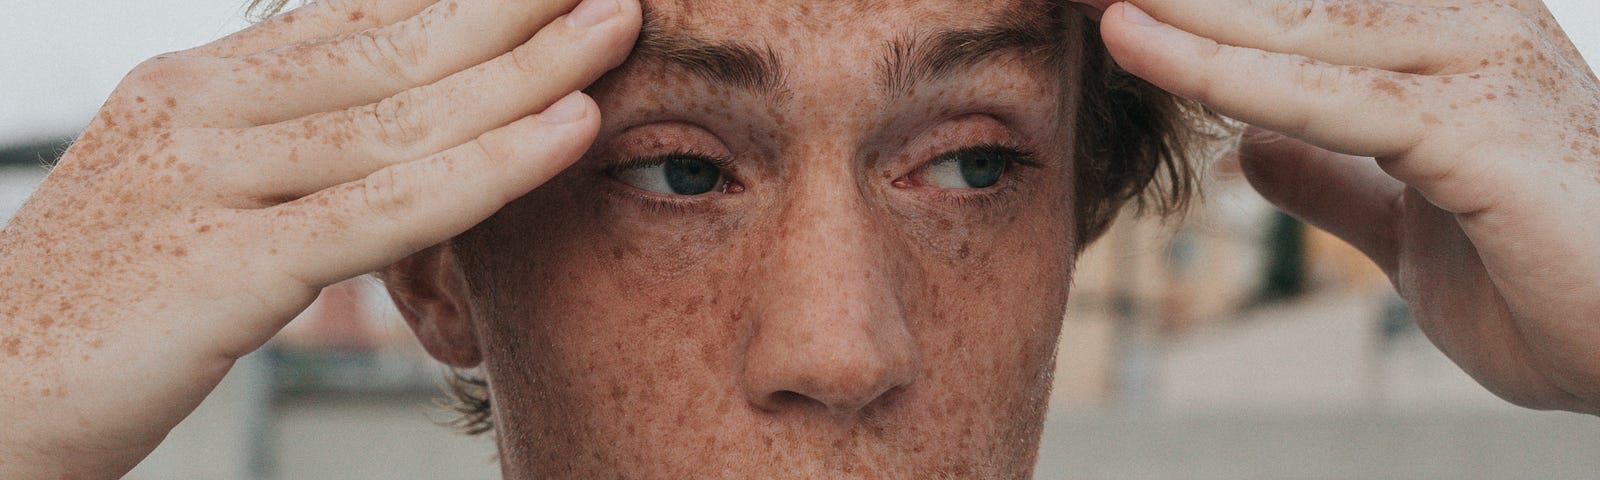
(569, 109)
(592, 12)
(1135, 15)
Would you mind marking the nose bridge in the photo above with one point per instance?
(828, 326)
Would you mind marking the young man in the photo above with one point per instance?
(804, 240)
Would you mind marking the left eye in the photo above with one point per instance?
(677, 175)
(969, 168)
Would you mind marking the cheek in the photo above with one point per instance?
(991, 304)
(989, 309)
(599, 313)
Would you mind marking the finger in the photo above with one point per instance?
(295, 158)
(364, 225)
(1348, 196)
(1354, 110)
(320, 19)
(365, 67)
(1372, 33)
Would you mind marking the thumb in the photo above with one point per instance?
(1348, 196)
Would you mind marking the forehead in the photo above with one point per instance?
(774, 20)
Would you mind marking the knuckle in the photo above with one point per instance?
(166, 73)
(528, 61)
(493, 148)
(393, 122)
(387, 194)
(391, 53)
(1315, 77)
(1204, 87)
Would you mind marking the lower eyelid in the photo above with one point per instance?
(659, 203)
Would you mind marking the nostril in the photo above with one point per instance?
(787, 396)
(783, 399)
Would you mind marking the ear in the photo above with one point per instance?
(431, 292)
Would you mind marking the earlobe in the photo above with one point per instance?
(431, 292)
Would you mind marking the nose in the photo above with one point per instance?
(828, 331)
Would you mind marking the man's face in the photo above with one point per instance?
(811, 241)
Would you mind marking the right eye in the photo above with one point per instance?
(684, 175)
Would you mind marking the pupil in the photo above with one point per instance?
(691, 176)
(981, 169)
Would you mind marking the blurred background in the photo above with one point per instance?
(1238, 344)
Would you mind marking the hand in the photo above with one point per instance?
(1482, 118)
(221, 187)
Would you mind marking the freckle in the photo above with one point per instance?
(1430, 119)
(138, 99)
(1388, 86)
(357, 15)
(170, 102)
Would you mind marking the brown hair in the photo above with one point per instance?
(1136, 146)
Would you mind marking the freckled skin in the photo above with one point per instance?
(822, 323)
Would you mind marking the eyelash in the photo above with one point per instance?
(659, 204)
(1014, 155)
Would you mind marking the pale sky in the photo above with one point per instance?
(60, 59)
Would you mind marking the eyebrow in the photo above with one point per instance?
(907, 61)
